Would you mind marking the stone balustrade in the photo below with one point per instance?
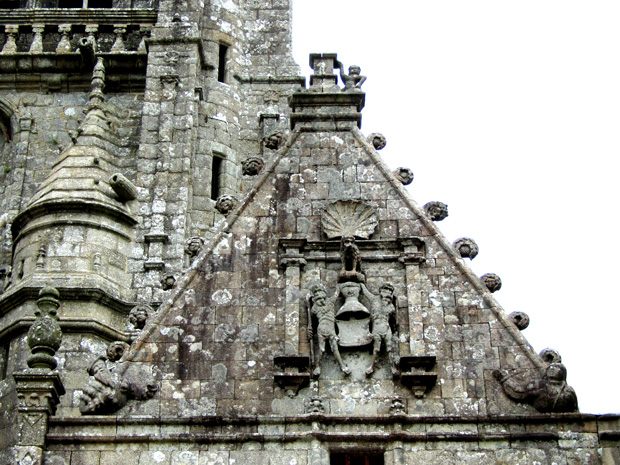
(69, 38)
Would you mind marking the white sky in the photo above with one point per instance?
(509, 112)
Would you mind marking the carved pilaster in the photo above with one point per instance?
(293, 262)
(412, 257)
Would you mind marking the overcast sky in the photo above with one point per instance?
(509, 112)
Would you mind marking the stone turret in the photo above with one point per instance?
(76, 231)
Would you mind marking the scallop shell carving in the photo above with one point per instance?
(349, 218)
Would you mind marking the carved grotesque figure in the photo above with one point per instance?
(251, 166)
(492, 282)
(466, 247)
(550, 356)
(137, 319)
(377, 140)
(398, 406)
(404, 175)
(351, 260)
(546, 393)
(383, 316)
(353, 80)
(110, 387)
(322, 309)
(315, 405)
(520, 319)
(193, 245)
(436, 211)
(167, 282)
(274, 141)
(225, 204)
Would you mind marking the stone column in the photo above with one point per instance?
(412, 257)
(293, 262)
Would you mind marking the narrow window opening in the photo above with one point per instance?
(356, 459)
(221, 69)
(4, 361)
(216, 175)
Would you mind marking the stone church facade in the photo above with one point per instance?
(205, 261)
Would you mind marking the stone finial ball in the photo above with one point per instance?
(520, 319)
(404, 175)
(436, 211)
(492, 282)
(377, 140)
(550, 356)
(466, 247)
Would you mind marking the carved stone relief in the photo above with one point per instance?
(520, 319)
(110, 387)
(274, 141)
(137, 319)
(225, 204)
(436, 211)
(547, 391)
(45, 335)
(251, 166)
(404, 175)
(492, 282)
(377, 140)
(193, 246)
(466, 247)
(349, 218)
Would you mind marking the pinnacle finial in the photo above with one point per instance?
(97, 83)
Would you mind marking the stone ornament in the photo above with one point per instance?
(377, 140)
(110, 387)
(225, 204)
(550, 356)
(193, 245)
(397, 407)
(137, 319)
(492, 282)
(315, 405)
(322, 309)
(352, 81)
(404, 175)
(466, 247)
(520, 319)
(45, 335)
(167, 282)
(546, 392)
(252, 166)
(436, 211)
(349, 218)
(351, 261)
(274, 141)
(383, 319)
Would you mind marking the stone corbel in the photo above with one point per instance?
(416, 374)
(292, 373)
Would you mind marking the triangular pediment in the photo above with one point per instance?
(232, 338)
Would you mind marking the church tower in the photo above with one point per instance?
(206, 261)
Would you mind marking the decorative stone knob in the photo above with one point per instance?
(550, 356)
(436, 211)
(404, 175)
(45, 335)
(377, 140)
(466, 247)
(492, 282)
(520, 319)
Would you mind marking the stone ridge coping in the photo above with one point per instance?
(459, 262)
(197, 265)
